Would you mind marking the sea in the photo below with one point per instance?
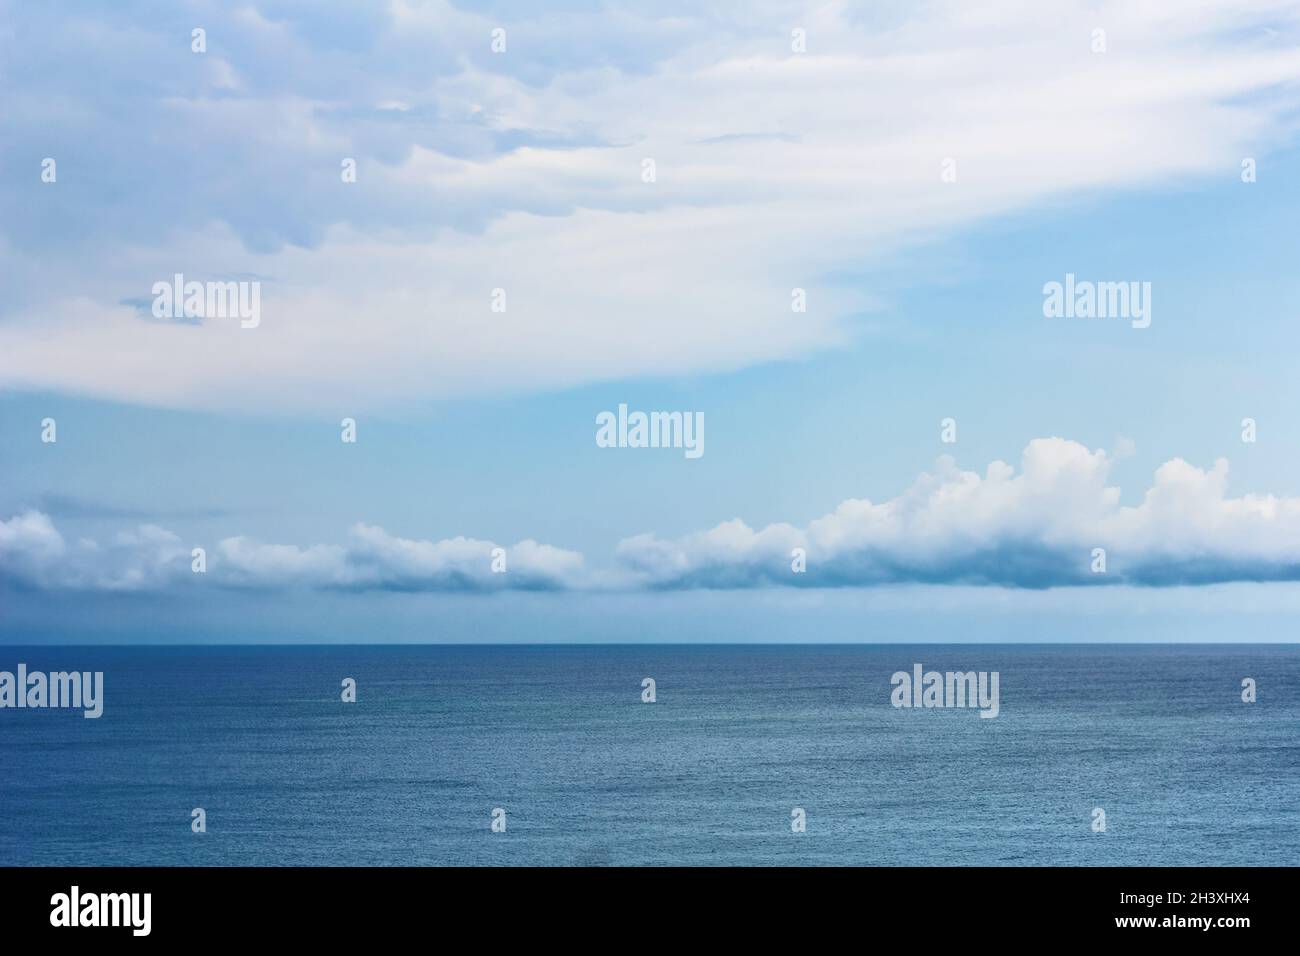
(741, 745)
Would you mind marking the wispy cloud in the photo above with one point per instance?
(522, 171)
(73, 506)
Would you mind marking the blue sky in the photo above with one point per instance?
(522, 170)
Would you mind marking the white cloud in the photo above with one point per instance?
(1035, 528)
(1029, 528)
(374, 559)
(523, 172)
(34, 553)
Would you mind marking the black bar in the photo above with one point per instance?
(332, 905)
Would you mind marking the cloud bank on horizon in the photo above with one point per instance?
(522, 171)
(1035, 528)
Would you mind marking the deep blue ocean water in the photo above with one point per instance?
(1157, 736)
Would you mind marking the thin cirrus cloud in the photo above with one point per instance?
(1035, 527)
(522, 171)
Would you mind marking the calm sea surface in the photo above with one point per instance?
(1157, 736)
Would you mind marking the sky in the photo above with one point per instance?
(614, 207)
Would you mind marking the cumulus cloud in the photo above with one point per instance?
(33, 553)
(1035, 527)
(374, 559)
(522, 171)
